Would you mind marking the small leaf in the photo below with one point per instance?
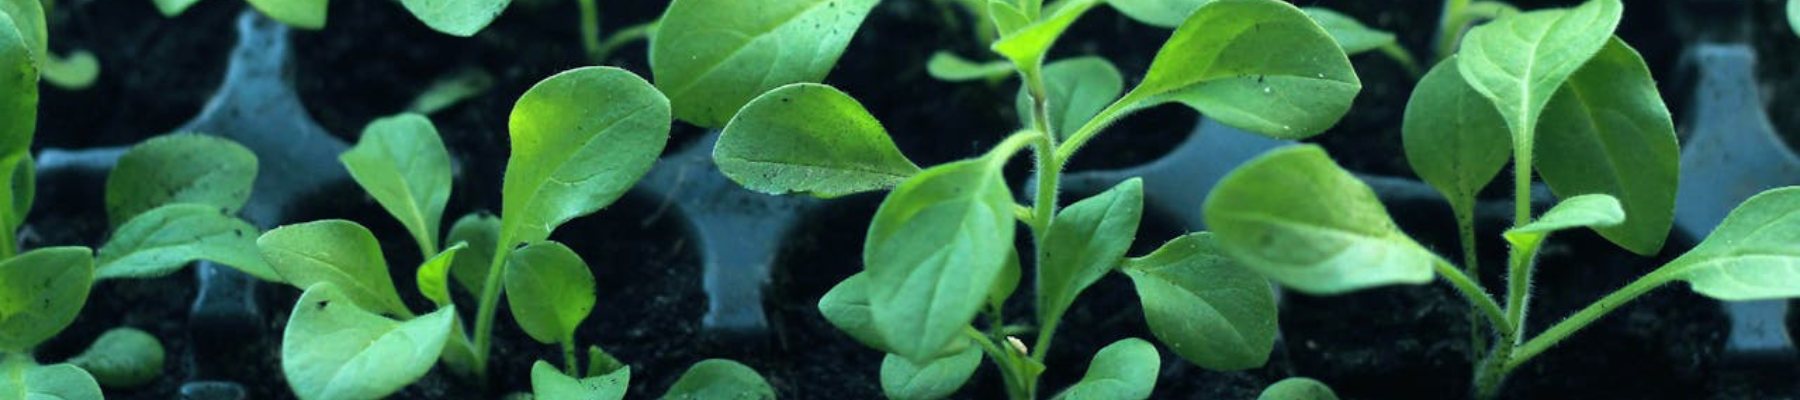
(1078, 89)
(580, 139)
(1518, 61)
(123, 358)
(947, 66)
(1159, 13)
(904, 380)
(1298, 218)
(1207, 309)
(456, 17)
(433, 277)
(547, 383)
(1085, 242)
(304, 14)
(1124, 370)
(1591, 210)
(164, 170)
(550, 290)
(1027, 45)
(846, 306)
(713, 56)
(48, 382)
(718, 379)
(164, 240)
(336, 251)
(809, 138)
(75, 72)
(333, 349)
(1349, 33)
(172, 8)
(601, 363)
(401, 162)
(1454, 138)
(482, 233)
(41, 291)
(1753, 255)
(1007, 17)
(1298, 389)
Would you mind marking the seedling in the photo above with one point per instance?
(939, 251)
(1553, 77)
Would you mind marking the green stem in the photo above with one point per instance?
(1478, 298)
(1581, 319)
(623, 37)
(1119, 109)
(1465, 227)
(569, 363)
(1009, 370)
(1492, 371)
(490, 301)
(1450, 27)
(590, 30)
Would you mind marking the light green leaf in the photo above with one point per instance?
(1298, 389)
(1259, 65)
(402, 163)
(1349, 33)
(1027, 45)
(482, 233)
(304, 14)
(164, 170)
(433, 277)
(1298, 218)
(1207, 309)
(1086, 241)
(580, 139)
(1518, 61)
(934, 249)
(48, 382)
(550, 290)
(123, 358)
(1007, 17)
(947, 66)
(41, 291)
(172, 8)
(29, 22)
(335, 251)
(904, 380)
(1754, 254)
(846, 306)
(548, 383)
(1793, 15)
(809, 138)
(75, 72)
(1007, 283)
(601, 363)
(335, 350)
(1589, 210)
(1124, 370)
(1607, 131)
(456, 17)
(1454, 138)
(161, 241)
(718, 379)
(1160, 13)
(712, 56)
(1078, 89)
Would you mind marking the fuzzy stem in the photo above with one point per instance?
(570, 366)
(490, 301)
(1465, 227)
(1581, 319)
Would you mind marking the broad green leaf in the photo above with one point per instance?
(482, 233)
(456, 17)
(336, 251)
(164, 170)
(1298, 218)
(1160, 13)
(1007, 17)
(718, 379)
(335, 350)
(1259, 65)
(1298, 389)
(1454, 138)
(948, 67)
(40, 293)
(548, 383)
(19, 80)
(31, 25)
(1124, 370)
(580, 139)
(1027, 45)
(933, 251)
(1607, 131)
(713, 56)
(123, 358)
(1078, 89)
(433, 277)
(550, 290)
(1007, 283)
(1207, 309)
(304, 14)
(904, 380)
(1086, 240)
(809, 138)
(165, 239)
(172, 8)
(1754, 254)
(402, 163)
(1349, 33)
(47, 382)
(1588, 210)
(846, 306)
(1518, 61)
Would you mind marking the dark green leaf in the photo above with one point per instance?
(846, 306)
(336, 251)
(1454, 138)
(1124, 370)
(712, 56)
(48, 382)
(550, 290)
(164, 170)
(19, 80)
(904, 380)
(402, 163)
(123, 358)
(40, 293)
(1086, 241)
(1078, 89)
(1209, 310)
(809, 138)
(482, 233)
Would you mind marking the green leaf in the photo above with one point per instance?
(1027, 45)
(1607, 131)
(1258, 65)
(904, 380)
(1793, 15)
(1298, 389)
(1754, 254)
(433, 278)
(1349, 33)
(846, 306)
(1518, 61)
(29, 22)
(1085, 242)
(1454, 138)
(1589, 210)
(947, 66)
(172, 8)
(718, 379)
(482, 233)
(1007, 17)
(336, 251)
(402, 163)
(304, 14)
(580, 139)
(1078, 89)
(1160, 13)
(548, 383)
(164, 170)
(1124, 370)
(809, 138)
(1007, 283)
(601, 363)
(48, 382)
(934, 249)
(161, 241)
(1298, 218)
(40, 293)
(334, 349)
(123, 358)
(550, 290)
(75, 72)
(456, 17)
(712, 56)
(1209, 310)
